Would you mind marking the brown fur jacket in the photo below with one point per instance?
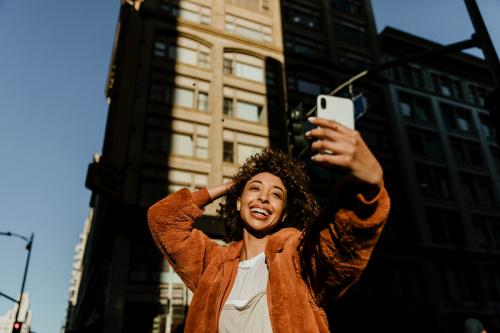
(306, 269)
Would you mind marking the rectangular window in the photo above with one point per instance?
(228, 153)
(202, 101)
(187, 56)
(248, 111)
(160, 49)
(187, 10)
(228, 66)
(477, 189)
(182, 144)
(350, 32)
(445, 226)
(248, 29)
(201, 147)
(245, 151)
(184, 97)
(415, 108)
(434, 182)
(228, 106)
(425, 143)
(301, 16)
(466, 152)
(352, 7)
(456, 118)
(203, 59)
(159, 92)
(249, 72)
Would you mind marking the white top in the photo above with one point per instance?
(251, 279)
(246, 310)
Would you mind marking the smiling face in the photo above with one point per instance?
(262, 204)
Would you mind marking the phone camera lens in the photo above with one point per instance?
(323, 103)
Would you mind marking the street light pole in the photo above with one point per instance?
(28, 247)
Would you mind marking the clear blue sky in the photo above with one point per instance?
(54, 58)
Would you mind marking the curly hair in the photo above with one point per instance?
(302, 208)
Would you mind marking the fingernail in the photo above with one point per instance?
(311, 118)
(308, 133)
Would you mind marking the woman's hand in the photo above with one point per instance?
(339, 146)
(219, 191)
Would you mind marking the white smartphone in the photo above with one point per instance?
(339, 109)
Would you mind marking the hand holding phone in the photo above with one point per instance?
(335, 108)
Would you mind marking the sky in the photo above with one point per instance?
(54, 59)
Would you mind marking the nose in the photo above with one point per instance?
(263, 196)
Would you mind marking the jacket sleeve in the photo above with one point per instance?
(188, 250)
(335, 250)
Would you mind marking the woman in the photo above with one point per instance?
(284, 261)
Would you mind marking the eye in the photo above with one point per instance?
(277, 195)
(254, 188)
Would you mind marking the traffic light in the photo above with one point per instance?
(17, 326)
(296, 131)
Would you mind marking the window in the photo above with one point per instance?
(184, 97)
(202, 101)
(376, 139)
(159, 91)
(228, 152)
(466, 152)
(301, 16)
(307, 86)
(160, 49)
(445, 226)
(245, 151)
(352, 7)
(447, 86)
(244, 105)
(477, 189)
(228, 106)
(239, 146)
(248, 29)
(492, 277)
(189, 139)
(305, 47)
(255, 5)
(456, 118)
(477, 94)
(182, 50)
(487, 230)
(244, 66)
(190, 93)
(461, 283)
(407, 74)
(425, 143)
(179, 94)
(187, 10)
(350, 32)
(228, 66)
(434, 182)
(189, 179)
(249, 111)
(495, 154)
(353, 60)
(415, 108)
(486, 128)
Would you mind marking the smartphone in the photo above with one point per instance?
(339, 109)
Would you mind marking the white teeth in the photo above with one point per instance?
(260, 210)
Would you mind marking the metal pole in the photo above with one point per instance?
(484, 39)
(28, 247)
